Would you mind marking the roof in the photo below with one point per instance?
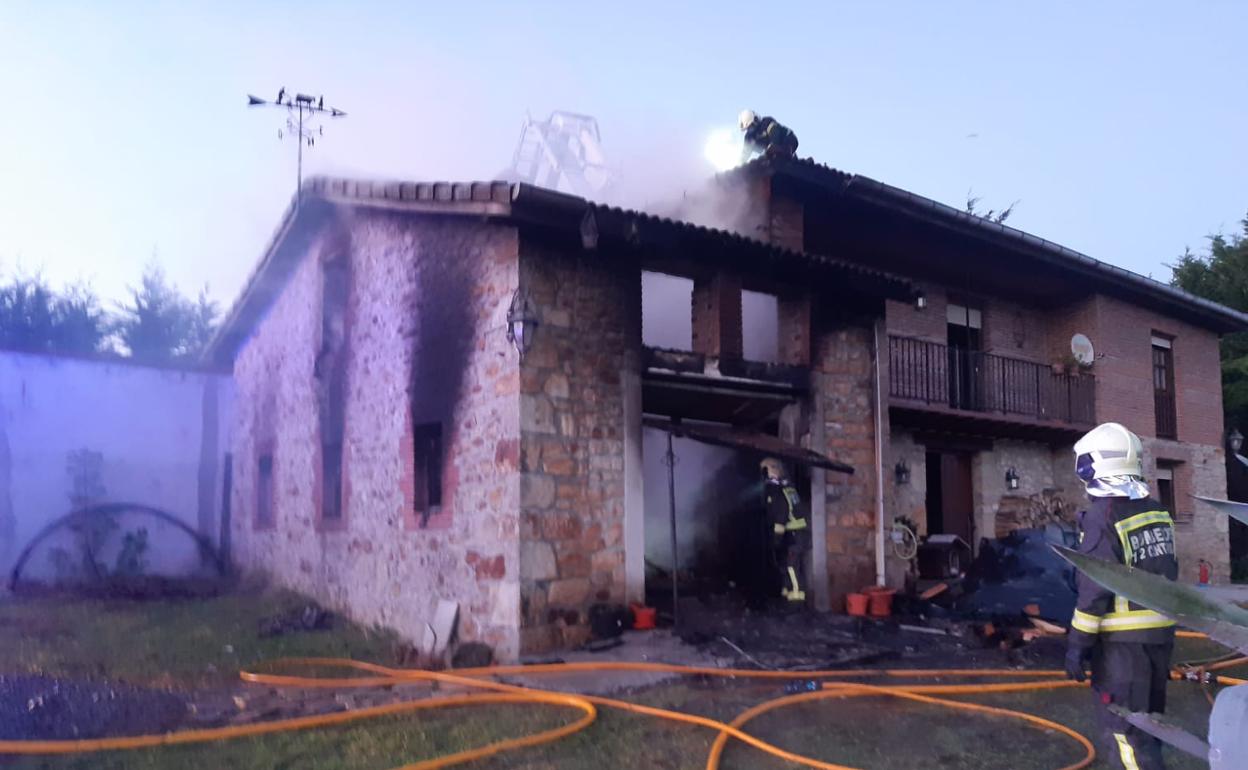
(1207, 312)
(751, 441)
(520, 203)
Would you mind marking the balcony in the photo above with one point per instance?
(1003, 396)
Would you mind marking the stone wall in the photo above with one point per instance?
(843, 367)
(427, 310)
(572, 451)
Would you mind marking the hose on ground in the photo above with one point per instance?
(833, 684)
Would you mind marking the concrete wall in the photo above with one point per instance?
(145, 423)
(426, 341)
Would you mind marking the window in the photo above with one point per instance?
(427, 464)
(331, 482)
(666, 311)
(331, 384)
(1163, 387)
(264, 491)
(1166, 490)
(760, 326)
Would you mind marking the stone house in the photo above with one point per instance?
(463, 390)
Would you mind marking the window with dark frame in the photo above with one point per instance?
(331, 482)
(331, 376)
(427, 467)
(264, 490)
(1167, 492)
(1163, 387)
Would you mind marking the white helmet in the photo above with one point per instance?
(746, 119)
(1107, 451)
(773, 468)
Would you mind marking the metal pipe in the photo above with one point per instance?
(879, 456)
(671, 499)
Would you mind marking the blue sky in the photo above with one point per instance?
(1120, 127)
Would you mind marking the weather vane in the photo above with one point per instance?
(303, 112)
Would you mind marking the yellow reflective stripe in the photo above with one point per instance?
(1121, 605)
(1126, 752)
(1127, 525)
(1089, 624)
(795, 524)
(793, 577)
(1136, 620)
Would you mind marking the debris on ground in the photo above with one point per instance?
(36, 707)
(472, 655)
(308, 617)
(1018, 573)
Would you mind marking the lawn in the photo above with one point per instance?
(200, 645)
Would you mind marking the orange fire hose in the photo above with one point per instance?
(500, 693)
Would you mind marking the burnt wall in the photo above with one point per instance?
(425, 342)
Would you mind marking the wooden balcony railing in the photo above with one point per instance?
(973, 381)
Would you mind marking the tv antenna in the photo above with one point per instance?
(303, 115)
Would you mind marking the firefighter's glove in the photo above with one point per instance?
(778, 529)
(1078, 657)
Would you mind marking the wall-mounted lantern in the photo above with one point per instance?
(1235, 440)
(1011, 478)
(902, 472)
(522, 322)
(920, 302)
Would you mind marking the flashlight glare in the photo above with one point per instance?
(723, 149)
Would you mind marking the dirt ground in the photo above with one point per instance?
(163, 659)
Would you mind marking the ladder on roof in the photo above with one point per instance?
(564, 153)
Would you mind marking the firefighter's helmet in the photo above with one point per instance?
(773, 468)
(746, 119)
(1107, 451)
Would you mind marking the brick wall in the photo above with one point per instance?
(429, 301)
(572, 451)
(1122, 337)
(905, 319)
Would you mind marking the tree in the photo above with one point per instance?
(1222, 276)
(992, 215)
(35, 318)
(159, 324)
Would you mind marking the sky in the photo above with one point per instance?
(1119, 127)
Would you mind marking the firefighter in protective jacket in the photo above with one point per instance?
(765, 136)
(789, 527)
(1127, 646)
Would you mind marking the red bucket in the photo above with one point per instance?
(643, 617)
(881, 601)
(856, 604)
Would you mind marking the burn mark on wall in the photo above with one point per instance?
(442, 335)
(330, 373)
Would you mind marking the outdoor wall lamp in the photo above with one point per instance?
(522, 322)
(1235, 440)
(920, 302)
(902, 472)
(1011, 478)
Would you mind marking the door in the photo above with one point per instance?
(950, 502)
(964, 337)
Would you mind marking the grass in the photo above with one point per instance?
(201, 644)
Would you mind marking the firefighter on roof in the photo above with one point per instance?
(765, 136)
(789, 528)
(1127, 646)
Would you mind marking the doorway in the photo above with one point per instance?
(964, 335)
(950, 502)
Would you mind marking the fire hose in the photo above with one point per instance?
(831, 684)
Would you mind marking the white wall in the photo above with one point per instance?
(146, 423)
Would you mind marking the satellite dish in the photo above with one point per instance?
(1081, 349)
